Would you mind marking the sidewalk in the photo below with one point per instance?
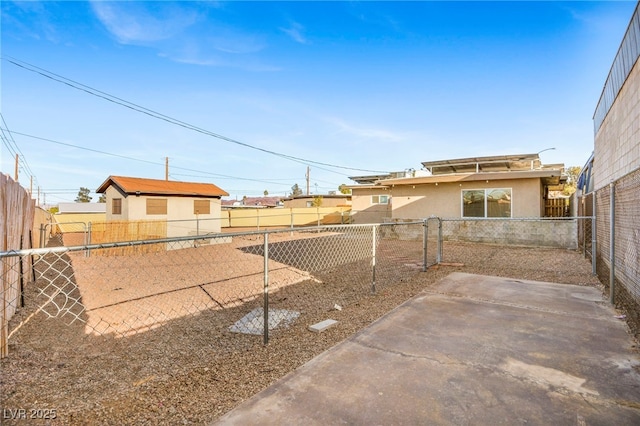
(471, 350)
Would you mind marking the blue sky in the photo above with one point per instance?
(366, 86)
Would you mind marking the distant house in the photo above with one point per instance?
(132, 198)
(326, 200)
(74, 217)
(482, 187)
(253, 202)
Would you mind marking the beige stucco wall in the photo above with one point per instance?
(362, 211)
(178, 209)
(617, 142)
(445, 199)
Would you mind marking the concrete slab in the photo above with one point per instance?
(322, 325)
(470, 350)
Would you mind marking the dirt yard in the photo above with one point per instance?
(191, 369)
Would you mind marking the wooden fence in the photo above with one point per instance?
(285, 217)
(556, 207)
(17, 211)
(126, 230)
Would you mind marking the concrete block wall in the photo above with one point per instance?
(617, 142)
(560, 233)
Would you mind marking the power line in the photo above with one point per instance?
(204, 173)
(14, 149)
(160, 116)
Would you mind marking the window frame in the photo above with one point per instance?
(156, 207)
(379, 197)
(198, 205)
(116, 202)
(486, 192)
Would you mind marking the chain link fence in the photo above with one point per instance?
(618, 243)
(174, 328)
(247, 279)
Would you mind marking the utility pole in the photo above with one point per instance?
(15, 174)
(166, 168)
(307, 176)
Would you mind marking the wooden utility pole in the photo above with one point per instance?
(166, 168)
(307, 176)
(15, 174)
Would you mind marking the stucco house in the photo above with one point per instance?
(480, 187)
(132, 198)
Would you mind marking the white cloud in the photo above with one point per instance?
(365, 132)
(295, 31)
(182, 32)
(135, 22)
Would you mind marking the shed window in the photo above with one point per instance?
(156, 206)
(379, 199)
(201, 207)
(486, 202)
(116, 206)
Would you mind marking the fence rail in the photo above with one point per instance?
(99, 232)
(127, 287)
(250, 279)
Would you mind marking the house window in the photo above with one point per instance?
(156, 206)
(379, 199)
(201, 207)
(486, 202)
(309, 203)
(116, 206)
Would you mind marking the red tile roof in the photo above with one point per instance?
(133, 185)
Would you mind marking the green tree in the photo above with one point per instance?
(54, 210)
(317, 201)
(83, 195)
(103, 198)
(266, 192)
(572, 182)
(343, 189)
(295, 190)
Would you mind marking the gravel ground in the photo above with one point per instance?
(192, 369)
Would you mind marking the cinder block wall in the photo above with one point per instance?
(617, 142)
(534, 233)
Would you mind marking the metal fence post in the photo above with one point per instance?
(266, 290)
(88, 239)
(594, 267)
(291, 211)
(373, 259)
(584, 233)
(43, 227)
(425, 236)
(612, 246)
(439, 252)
